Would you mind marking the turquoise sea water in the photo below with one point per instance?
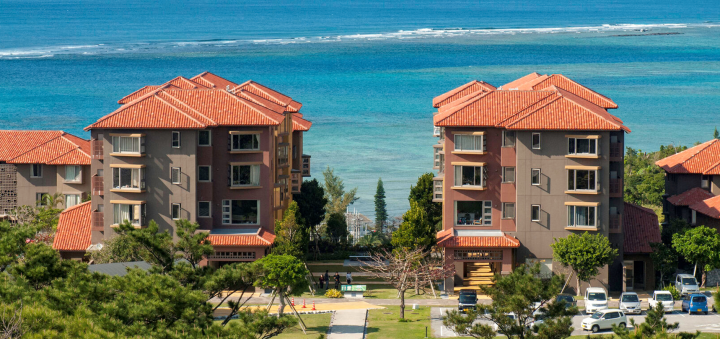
(366, 71)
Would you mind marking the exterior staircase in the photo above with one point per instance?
(477, 273)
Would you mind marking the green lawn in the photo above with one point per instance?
(384, 323)
(316, 324)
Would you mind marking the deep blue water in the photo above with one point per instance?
(366, 71)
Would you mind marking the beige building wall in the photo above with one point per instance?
(28, 187)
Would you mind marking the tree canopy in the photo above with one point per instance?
(284, 273)
(292, 236)
(337, 199)
(645, 181)
(415, 230)
(381, 214)
(585, 254)
(699, 245)
(422, 194)
(311, 202)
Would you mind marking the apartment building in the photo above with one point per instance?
(692, 185)
(520, 165)
(225, 155)
(34, 163)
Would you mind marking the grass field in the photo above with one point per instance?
(385, 324)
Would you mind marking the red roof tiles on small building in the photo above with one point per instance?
(471, 87)
(690, 197)
(641, 228)
(73, 230)
(43, 147)
(701, 159)
(447, 238)
(709, 207)
(263, 238)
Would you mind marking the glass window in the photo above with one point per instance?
(508, 139)
(582, 216)
(245, 175)
(39, 199)
(126, 144)
(597, 296)
(630, 298)
(245, 142)
(133, 213)
(466, 142)
(580, 146)
(72, 174)
(36, 171)
(470, 176)
(582, 180)
(508, 174)
(175, 212)
(534, 212)
(203, 209)
(241, 212)
(175, 175)
(72, 200)
(128, 178)
(176, 139)
(204, 173)
(536, 140)
(508, 210)
(473, 213)
(204, 138)
(535, 176)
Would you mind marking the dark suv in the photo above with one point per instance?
(467, 299)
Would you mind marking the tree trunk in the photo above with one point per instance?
(281, 308)
(702, 280)
(695, 270)
(417, 285)
(402, 304)
(577, 278)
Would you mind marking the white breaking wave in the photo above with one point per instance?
(422, 33)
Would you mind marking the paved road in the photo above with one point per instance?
(688, 323)
(348, 324)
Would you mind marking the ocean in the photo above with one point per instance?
(366, 71)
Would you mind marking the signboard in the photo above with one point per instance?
(353, 288)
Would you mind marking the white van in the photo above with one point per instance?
(596, 298)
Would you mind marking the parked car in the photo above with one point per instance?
(663, 297)
(538, 319)
(467, 300)
(567, 299)
(596, 298)
(603, 320)
(695, 303)
(686, 284)
(510, 315)
(630, 303)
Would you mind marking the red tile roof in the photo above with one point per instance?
(213, 81)
(263, 238)
(561, 81)
(447, 238)
(709, 207)
(690, 197)
(471, 87)
(513, 85)
(269, 94)
(300, 124)
(73, 230)
(701, 159)
(43, 147)
(489, 109)
(180, 82)
(640, 228)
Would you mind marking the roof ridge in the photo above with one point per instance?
(578, 101)
(77, 147)
(76, 206)
(533, 111)
(125, 106)
(588, 88)
(253, 106)
(454, 110)
(34, 148)
(517, 114)
(181, 111)
(214, 123)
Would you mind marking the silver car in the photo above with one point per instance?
(686, 284)
(630, 303)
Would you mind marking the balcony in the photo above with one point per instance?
(305, 165)
(97, 185)
(615, 223)
(97, 149)
(296, 182)
(616, 151)
(437, 190)
(97, 221)
(436, 131)
(616, 188)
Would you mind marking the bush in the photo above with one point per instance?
(333, 293)
(675, 293)
(716, 306)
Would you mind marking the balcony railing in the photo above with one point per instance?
(436, 131)
(296, 182)
(615, 223)
(97, 185)
(616, 188)
(616, 151)
(97, 149)
(97, 221)
(305, 165)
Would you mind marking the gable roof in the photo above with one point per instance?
(180, 82)
(73, 230)
(690, 197)
(213, 81)
(471, 87)
(709, 207)
(701, 159)
(489, 109)
(513, 85)
(43, 147)
(300, 124)
(269, 94)
(640, 228)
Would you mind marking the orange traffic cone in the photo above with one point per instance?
(313, 309)
(292, 301)
(304, 304)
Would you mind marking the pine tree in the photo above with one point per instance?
(716, 134)
(381, 214)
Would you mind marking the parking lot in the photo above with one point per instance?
(688, 323)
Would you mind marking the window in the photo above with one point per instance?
(508, 139)
(705, 181)
(693, 217)
(128, 144)
(204, 173)
(535, 176)
(582, 216)
(581, 146)
(241, 212)
(203, 209)
(175, 211)
(534, 212)
(175, 175)
(36, 171)
(100, 208)
(72, 200)
(134, 213)
(73, 174)
(477, 213)
(39, 199)
(582, 180)
(508, 210)
(294, 151)
(128, 178)
(245, 142)
(508, 174)
(536, 140)
(470, 176)
(467, 142)
(176, 139)
(204, 138)
(245, 175)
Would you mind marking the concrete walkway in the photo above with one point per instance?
(348, 324)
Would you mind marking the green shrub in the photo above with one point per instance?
(333, 293)
(675, 293)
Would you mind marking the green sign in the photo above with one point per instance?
(353, 288)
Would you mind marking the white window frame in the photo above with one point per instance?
(539, 176)
(209, 173)
(209, 132)
(504, 175)
(475, 142)
(209, 209)
(118, 140)
(532, 141)
(575, 148)
(486, 210)
(34, 168)
(251, 184)
(172, 211)
(572, 210)
(140, 209)
(172, 139)
(172, 175)
(483, 174)
(77, 202)
(238, 135)
(532, 209)
(575, 178)
(140, 177)
(504, 209)
(504, 136)
(227, 212)
(78, 174)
